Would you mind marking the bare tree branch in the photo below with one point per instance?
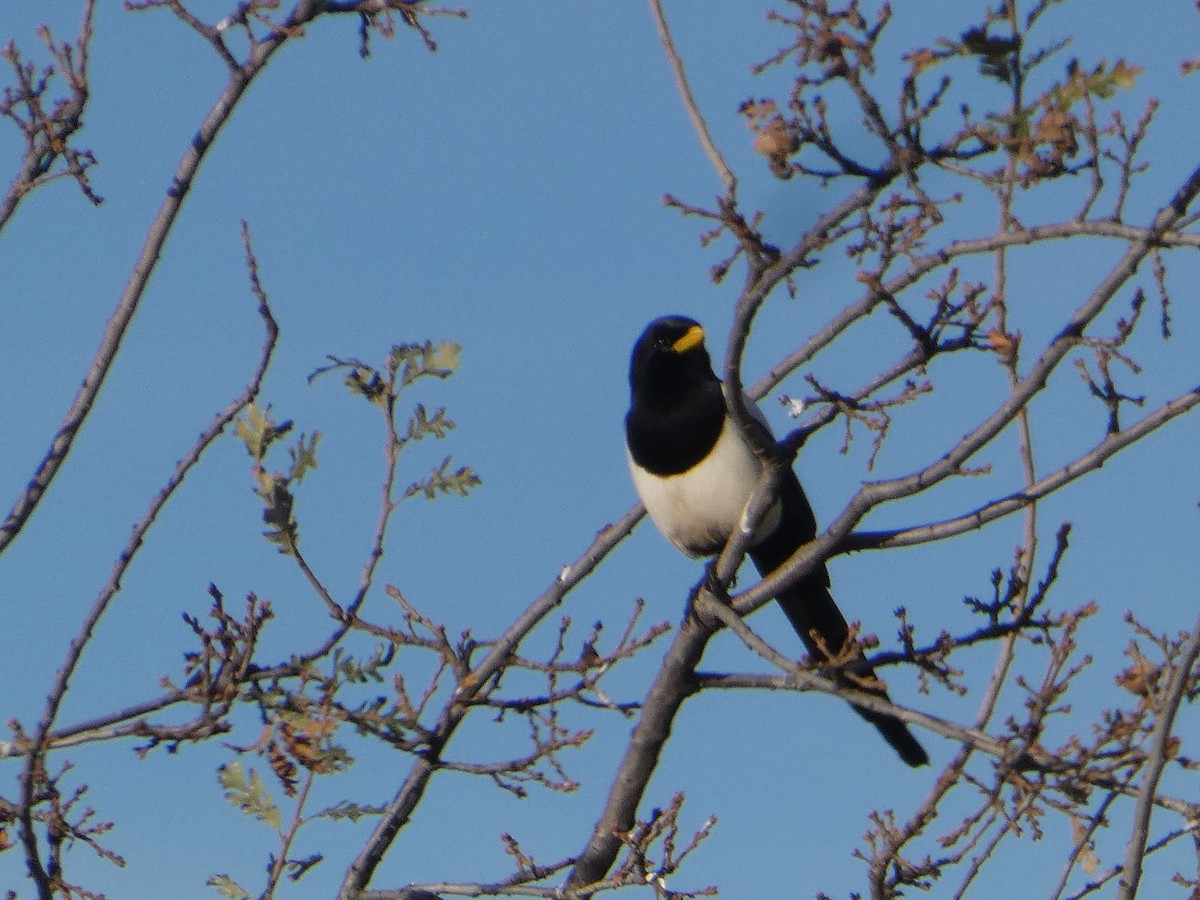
(35, 752)
(1180, 681)
(48, 133)
(241, 76)
(408, 797)
(689, 101)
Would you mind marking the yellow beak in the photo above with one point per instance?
(693, 337)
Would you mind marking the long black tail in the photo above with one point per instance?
(823, 628)
(819, 622)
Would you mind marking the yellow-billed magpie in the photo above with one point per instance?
(695, 472)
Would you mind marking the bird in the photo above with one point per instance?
(694, 472)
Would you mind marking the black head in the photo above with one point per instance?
(677, 410)
(670, 355)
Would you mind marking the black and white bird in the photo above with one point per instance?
(695, 472)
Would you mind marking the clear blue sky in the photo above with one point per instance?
(507, 193)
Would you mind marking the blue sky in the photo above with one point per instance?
(507, 193)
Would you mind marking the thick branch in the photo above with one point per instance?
(1181, 677)
(408, 797)
(674, 683)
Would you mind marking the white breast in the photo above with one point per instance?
(698, 510)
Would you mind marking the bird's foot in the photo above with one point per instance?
(714, 584)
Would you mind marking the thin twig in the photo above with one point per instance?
(135, 288)
(408, 796)
(1086, 462)
(689, 101)
(41, 737)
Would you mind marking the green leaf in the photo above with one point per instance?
(1124, 76)
(248, 793)
(361, 379)
(347, 810)
(257, 430)
(277, 514)
(275, 488)
(304, 457)
(227, 887)
(367, 382)
(1102, 82)
(442, 481)
(443, 361)
(420, 425)
(413, 361)
(357, 671)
